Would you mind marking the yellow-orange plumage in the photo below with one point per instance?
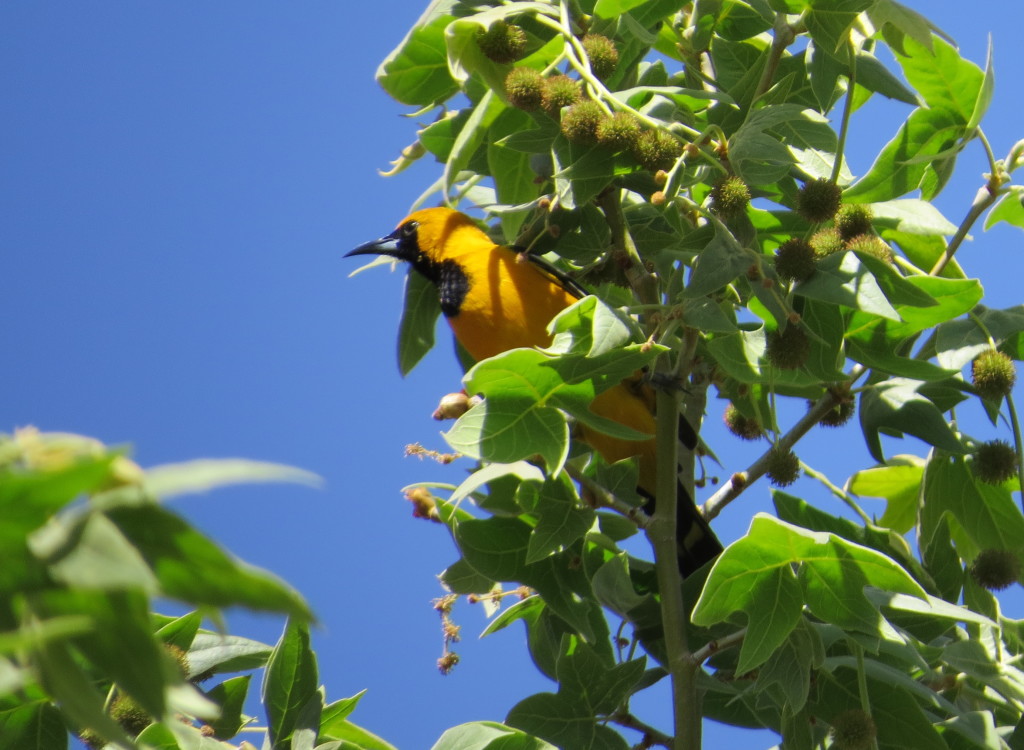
(496, 299)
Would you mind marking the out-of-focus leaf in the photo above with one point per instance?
(189, 566)
(170, 480)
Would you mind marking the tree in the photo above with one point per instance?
(683, 164)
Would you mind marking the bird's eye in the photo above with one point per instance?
(409, 230)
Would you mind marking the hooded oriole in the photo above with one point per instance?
(495, 302)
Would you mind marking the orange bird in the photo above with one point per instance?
(495, 302)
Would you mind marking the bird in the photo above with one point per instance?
(495, 301)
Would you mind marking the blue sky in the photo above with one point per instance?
(178, 185)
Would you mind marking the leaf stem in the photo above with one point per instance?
(862, 687)
(838, 492)
(837, 166)
(1017, 444)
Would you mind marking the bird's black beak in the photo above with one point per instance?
(390, 245)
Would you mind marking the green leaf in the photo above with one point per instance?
(416, 72)
(788, 670)
(562, 520)
(896, 406)
(34, 725)
(829, 22)
(615, 8)
(580, 172)
(535, 140)
(899, 483)
(510, 427)
(496, 549)
(190, 567)
(488, 735)
(721, 261)
(874, 76)
(181, 631)
(902, 165)
(592, 328)
(946, 81)
(987, 515)
(563, 722)
(755, 575)
(171, 480)
(898, 22)
(959, 341)
(420, 311)
(289, 683)
(897, 714)
(121, 644)
(89, 551)
(600, 686)
(842, 279)
(61, 675)
(1009, 208)
(470, 138)
(813, 144)
(230, 696)
(912, 215)
(226, 653)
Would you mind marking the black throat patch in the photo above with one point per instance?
(447, 275)
(452, 286)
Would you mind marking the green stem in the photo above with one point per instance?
(662, 534)
(862, 687)
(1017, 444)
(847, 111)
(985, 197)
(838, 492)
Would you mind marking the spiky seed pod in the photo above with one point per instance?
(503, 42)
(995, 462)
(657, 150)
(180, 657)
(853, 219)
(580, 121)
(853, 729)
(993, 374)
(838, 415)
(788, 349)
(995, 569)
(730, 196)
(129, 714)
(602, 53)
(618, 132)
(740, 425)
(783, 467)
(794, 259)
(826, 242)
(818, 200)
(524, 88)
(872, 245)
(560, 91)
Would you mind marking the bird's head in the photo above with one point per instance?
(426, 238)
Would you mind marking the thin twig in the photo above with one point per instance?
(711, 648)
(652, 736)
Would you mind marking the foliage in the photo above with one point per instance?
(809, 617)
(86, 548)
